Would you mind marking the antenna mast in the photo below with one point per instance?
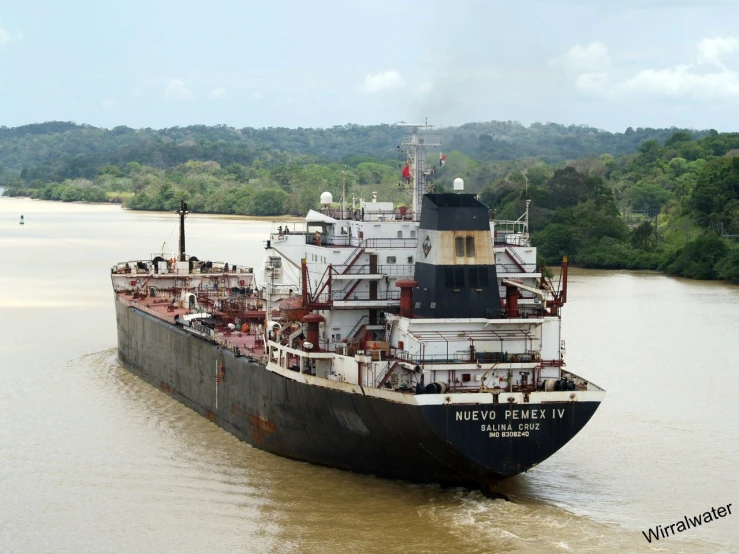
(343, 194)
(415, 147)
(528, 201)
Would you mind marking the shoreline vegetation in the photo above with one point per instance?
(665, 200)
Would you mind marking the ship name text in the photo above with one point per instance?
(490, 415)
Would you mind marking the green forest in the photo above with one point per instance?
(665, 199)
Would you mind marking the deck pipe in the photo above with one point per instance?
(313, 321)
(406, 296)
(511, 301)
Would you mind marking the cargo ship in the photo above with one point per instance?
(420, 343)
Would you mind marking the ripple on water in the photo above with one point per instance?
(130, 457)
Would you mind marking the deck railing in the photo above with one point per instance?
(385, 269)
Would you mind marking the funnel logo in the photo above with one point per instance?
(426, 247)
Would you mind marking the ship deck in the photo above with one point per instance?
(247, 343)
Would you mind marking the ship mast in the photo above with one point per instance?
(182, 212)
(415, 147)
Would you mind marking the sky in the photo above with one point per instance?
(610, 64)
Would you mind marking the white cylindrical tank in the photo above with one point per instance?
(458, 184)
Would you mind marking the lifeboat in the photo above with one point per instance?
(292, 309)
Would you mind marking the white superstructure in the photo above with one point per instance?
(346, 266)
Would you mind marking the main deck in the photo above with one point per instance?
(244, 341)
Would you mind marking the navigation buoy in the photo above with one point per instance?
(21, 221)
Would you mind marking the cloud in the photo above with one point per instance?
(9, 36)
(591, 58)
(708, 78)
(694, 81)
(382, 82)
(680, 82)
(218, 93)
(176, 90)
(138, 92)
(257, 95)
(592, 83)
(108, 104)
(711, 50)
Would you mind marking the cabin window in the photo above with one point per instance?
(391, 259)
(459, 247)
(410, 259)
(413, 234)
(470, 244)
(400, 234)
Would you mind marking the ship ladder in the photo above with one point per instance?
(390, 369)
(388, 331)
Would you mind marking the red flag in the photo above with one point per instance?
(407, 173)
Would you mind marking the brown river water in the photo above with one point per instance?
(94, 460)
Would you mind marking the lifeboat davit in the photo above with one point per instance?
(292, 309)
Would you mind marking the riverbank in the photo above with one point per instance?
(282, 217)
(705, 256)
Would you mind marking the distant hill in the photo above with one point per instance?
(61, 150)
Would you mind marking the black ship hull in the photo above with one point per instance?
(455, 445)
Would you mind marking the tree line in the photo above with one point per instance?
(671, 204)
(55, 151)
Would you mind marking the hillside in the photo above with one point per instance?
(55, 151)
(670, 204)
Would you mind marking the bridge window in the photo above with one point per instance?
(472, 277)
(391, 259)
(470, 244)
(483, 274)
(413, 234)
(459, 247)
(454, 277)
(458, 277)
(464, 246)
(477, 277)
(400, 234)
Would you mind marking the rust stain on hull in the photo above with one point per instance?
(260, 428)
